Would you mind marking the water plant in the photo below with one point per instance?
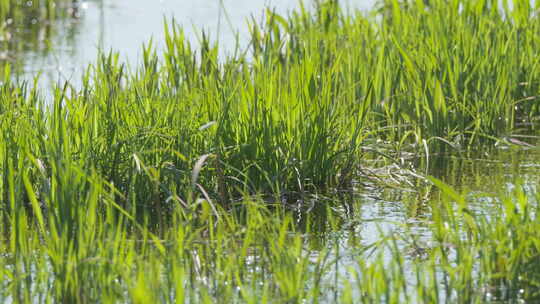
(196, 178)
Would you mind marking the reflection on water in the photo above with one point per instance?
(28, 28)
(406, 213)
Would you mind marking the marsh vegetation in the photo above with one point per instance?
(253, 178)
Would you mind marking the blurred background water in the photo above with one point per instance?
(61, 48)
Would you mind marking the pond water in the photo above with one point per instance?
(381, 212)
(72, 43)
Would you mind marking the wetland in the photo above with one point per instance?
(269, 152)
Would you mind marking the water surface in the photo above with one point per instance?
(124, 25)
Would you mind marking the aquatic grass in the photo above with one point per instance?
(259, 253)
(474, 257)
(290, 119)
(206, 264)
(440, 49)
(195, 178)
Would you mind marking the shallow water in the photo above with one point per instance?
(124, 25)
(61, 49)
(405, 213)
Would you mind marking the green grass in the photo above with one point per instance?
(175, 180)
(259, 255)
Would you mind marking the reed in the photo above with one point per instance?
(174, 181)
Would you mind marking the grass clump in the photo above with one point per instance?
(292, 116)
(260, 255)
(173, 181)
(459, 70)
